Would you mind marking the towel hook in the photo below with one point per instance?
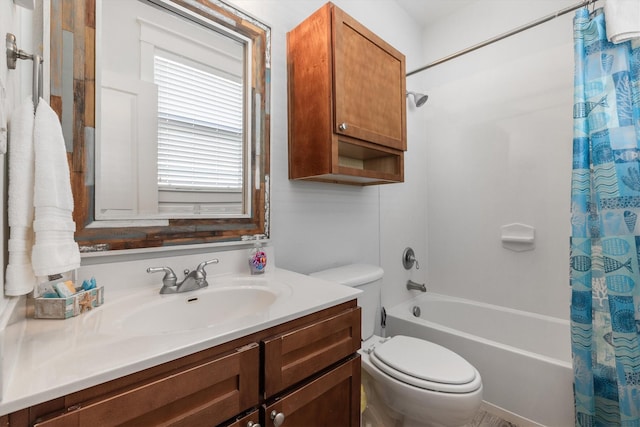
(13, 54)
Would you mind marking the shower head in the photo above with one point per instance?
(418, 98)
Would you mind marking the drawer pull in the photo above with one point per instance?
(252, 424)
(343, 126)
(277, 417)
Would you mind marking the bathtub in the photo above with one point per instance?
(524, 358)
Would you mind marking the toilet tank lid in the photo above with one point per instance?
(351, 274)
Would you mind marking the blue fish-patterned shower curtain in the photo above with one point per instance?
(605, 239)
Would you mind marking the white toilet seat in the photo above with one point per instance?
(425, 365)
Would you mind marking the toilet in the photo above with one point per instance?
(421, 383)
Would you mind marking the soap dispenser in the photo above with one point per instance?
(257, 259)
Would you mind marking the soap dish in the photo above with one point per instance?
(64, 308)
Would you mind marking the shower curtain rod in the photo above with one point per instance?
(504, 35)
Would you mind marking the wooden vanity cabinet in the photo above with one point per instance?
(346, 102)
(307, 368)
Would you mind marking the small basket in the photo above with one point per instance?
(63, 308)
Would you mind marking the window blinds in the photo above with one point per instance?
(200, 128)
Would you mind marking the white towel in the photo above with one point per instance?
(54, 251)
(622, 18)
(20, 279)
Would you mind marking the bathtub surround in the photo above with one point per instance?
(492, 119)
(605, 240)
(497, 135)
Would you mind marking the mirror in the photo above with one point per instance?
(124, 118)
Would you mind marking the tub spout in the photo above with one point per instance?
(411, 285)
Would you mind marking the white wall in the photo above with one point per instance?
(499, 138)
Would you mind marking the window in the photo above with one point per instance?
(175, 112)
(200, 127)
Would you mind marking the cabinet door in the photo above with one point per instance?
(295, 355)
(203, 395)
(369, 85)
(330, 400)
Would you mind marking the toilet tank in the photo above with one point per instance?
(364, 277)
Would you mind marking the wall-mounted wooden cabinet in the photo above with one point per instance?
(347, 102)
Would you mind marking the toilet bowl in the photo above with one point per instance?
(424, 384)
(421, 383)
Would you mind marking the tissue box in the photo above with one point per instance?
(63, 308)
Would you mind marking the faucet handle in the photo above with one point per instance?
(169, 278)
(203, 264)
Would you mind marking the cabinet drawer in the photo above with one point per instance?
(332, 399)
(295, 355)
(206, 394)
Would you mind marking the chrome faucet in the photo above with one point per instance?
(411, 285)
(193, 280)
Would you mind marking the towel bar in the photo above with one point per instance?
(13, 54)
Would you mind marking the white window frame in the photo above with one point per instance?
(155, 40)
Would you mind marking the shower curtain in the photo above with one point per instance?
(605, 239)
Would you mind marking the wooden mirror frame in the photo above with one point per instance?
(76, 20)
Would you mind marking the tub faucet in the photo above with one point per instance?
(193, 280)
(411, 285)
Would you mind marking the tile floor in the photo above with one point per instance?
(485, 419)
(373, 418)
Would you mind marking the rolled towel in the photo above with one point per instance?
(622, 18)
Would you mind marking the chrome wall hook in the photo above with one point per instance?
(13, 54)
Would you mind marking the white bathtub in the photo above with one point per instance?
(524, 358)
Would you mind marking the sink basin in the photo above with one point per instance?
(233, 301)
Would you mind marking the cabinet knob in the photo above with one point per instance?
(343, 126)
(277, 417)
(252, 424)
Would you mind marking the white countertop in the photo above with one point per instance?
(52, 358)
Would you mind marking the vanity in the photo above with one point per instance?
(291, 359)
